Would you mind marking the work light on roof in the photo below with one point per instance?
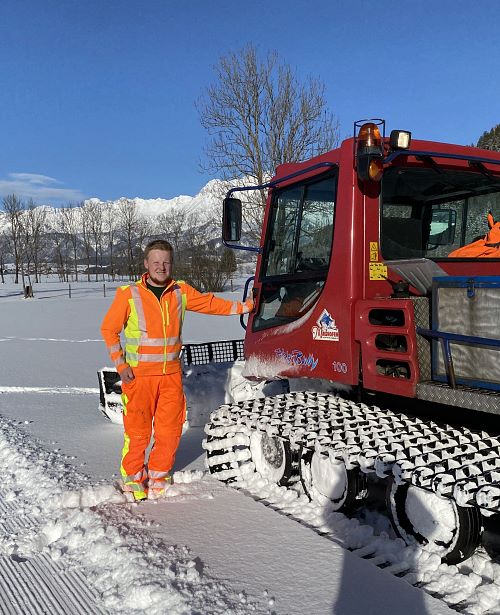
(400, 139)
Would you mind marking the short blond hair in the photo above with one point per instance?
(158, 244)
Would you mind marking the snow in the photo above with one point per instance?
(423, 509)
(70, 543)
(328, 476)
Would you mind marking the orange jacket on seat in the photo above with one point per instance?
(153, 328)
(488, 247)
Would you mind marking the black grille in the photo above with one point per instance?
(213, 352)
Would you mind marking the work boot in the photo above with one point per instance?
(156, 494)
(157, 491)
(132, 495)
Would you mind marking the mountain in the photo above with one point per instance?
(207, 203)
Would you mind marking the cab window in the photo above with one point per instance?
(430, 212)
(297, 251)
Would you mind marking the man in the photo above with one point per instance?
(151, 313)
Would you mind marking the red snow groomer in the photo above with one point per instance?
(363, 285)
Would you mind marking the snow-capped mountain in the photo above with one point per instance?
(206, 205)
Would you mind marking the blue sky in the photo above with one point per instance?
(97, 97)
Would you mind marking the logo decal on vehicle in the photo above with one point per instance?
(297, 358)
(325, 328)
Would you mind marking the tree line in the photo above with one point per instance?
(93, 240)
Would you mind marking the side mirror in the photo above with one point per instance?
(231, 219)
(443, 225)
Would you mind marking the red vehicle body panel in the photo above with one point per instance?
(349, 293)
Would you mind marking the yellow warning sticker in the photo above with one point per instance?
(374, 251)
(378, 271)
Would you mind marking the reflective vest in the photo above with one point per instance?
(152, 328)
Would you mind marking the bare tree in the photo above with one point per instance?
(172, 225)
(95, 227)
(207, 269)
(4, 249)
(62, 257)
(86, 236)
(70, 224)
(259, 115)
(129, 222)
(110, 233)
(36, 227)
(14, 210)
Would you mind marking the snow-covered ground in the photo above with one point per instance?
(70, 544)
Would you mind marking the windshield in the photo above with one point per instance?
(297, 251)
(430, 212)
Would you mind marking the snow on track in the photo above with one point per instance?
(67, 551)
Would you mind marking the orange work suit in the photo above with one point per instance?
(154, 401)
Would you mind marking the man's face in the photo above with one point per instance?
(159, 266)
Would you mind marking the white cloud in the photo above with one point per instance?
(43, 189)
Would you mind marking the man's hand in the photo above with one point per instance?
(248, 306)
(127, 375)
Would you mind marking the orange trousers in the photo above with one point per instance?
(152, 405)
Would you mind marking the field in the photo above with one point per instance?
(68, 542)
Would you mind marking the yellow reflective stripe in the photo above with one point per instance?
(135, 478)
(131, 353)
(141, 318)
(124, 402)
(184, 304)
(133, 320)
(152, 358)
(132, 331)
(153, 341)
(126, 446)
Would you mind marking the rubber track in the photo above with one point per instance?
(452, 462)
(373, 440)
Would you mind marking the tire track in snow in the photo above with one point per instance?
(52, 390)
(38, 586)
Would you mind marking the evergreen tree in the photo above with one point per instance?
(490, 139)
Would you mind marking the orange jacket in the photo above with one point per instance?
(488, 247)
(152, 328)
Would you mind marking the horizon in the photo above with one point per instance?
(98, 100)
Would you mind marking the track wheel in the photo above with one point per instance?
(328, 481)
(423, 517)
(272, 457)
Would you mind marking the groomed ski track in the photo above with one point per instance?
(206, 549)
